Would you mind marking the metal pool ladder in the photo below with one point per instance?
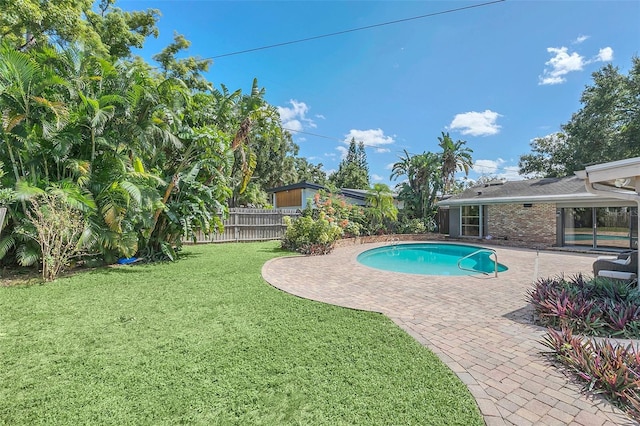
(490, 251)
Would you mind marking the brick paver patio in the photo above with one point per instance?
(480, 327)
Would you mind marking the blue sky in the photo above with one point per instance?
(496, 76)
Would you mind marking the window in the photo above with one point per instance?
(470, 221)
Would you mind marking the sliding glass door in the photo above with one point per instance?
(578, 226)
(612, 227)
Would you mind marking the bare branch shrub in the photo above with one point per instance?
(58, 228)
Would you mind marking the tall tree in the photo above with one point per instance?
(550, 157)
(361, 156)
(119, 31)
(606, 128)
(190, 69)
(308, 172)
(23, 23)
(419, 192)
(455, 157)
(107, 30)
(353, 171)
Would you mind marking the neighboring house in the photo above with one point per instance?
(545, 212)
(297, 196)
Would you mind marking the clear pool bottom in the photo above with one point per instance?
(431, 259)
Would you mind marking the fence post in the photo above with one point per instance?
(3, 212)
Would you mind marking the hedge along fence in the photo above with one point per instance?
(244, 225)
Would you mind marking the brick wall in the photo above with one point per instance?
(514, 222)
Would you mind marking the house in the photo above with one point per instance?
(543, 212)
(297, 195)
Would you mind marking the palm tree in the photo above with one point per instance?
(455, 156)
(28, 113)
(380, 199)
(424, 181)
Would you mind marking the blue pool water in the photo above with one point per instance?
(429, 259)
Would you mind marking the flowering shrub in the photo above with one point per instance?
(338, 211)
(310, 236)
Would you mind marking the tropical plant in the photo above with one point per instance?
(596, 306)
(604, 367)
(31, 114)
(149, 157)
(380, 201)
(455, 157)
(423, 183)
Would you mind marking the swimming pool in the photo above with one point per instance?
(431, 259)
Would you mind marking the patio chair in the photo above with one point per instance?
(625, 262)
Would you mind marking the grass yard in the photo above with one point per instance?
(207, 341)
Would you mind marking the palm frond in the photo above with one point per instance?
(6, 243)
(133, 190)
(28, 254)
(25, 190)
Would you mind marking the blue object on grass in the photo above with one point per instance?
(127, 260)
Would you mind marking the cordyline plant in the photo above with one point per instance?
(595, 307)
(604, 367)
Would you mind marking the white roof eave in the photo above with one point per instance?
(521, 199)
(622, 169)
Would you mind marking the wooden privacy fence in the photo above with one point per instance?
(250, 225)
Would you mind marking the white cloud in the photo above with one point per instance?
(580, 39)
(560, 65)
(382, 150)
(487, 167)
(510, 173)
(371, 137)
(389, 166)
(294, 118)
(496, 168)
(604, 55)
(377, 178)
(476, 123)
(343, 151)
(320, 117)
(564, 62)
(292, 125)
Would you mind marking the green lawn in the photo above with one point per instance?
(207, 341)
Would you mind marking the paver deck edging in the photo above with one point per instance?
(472, 325)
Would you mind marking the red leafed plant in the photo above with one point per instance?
(596, 307)
(606, 368)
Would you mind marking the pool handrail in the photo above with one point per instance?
(491, 251)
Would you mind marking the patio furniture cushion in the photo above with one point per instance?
(626, 262)
(619, 275)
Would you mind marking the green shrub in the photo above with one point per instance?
(411, 226)
(310, 236)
